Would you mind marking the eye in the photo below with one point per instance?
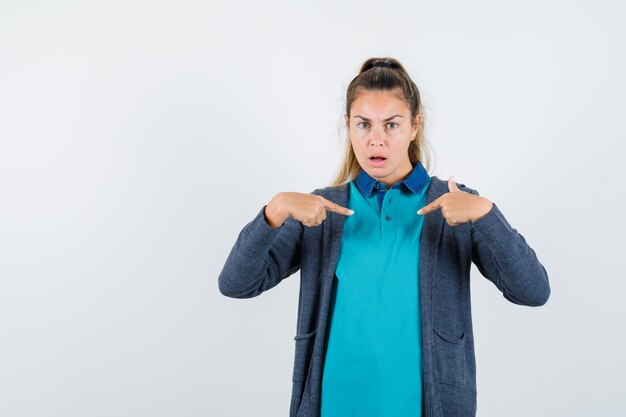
(395, 125)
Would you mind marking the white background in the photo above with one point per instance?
(139, 137)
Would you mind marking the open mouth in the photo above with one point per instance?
(378, 161)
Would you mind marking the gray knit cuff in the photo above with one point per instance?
(492, 226)
(260, 233)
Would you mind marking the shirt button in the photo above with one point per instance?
(387, 217)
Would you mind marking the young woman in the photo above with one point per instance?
(384, 316)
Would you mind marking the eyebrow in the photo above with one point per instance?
(386, 120)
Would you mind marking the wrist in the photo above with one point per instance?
(486, 207)
(274, 215)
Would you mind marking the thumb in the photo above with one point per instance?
(452, 185)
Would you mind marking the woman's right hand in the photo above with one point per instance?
(308, 209)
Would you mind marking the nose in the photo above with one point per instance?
(376, 138)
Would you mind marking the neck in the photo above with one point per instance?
(403, 171)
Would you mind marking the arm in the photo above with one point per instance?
(503, 256)
(261, 257)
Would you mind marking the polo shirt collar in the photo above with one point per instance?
(414, 181)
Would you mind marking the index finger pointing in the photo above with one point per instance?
(329, 205)
(430, 207)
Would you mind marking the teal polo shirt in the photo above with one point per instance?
(373, 357)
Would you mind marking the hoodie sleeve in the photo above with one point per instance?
(261, 257)
(502, 255)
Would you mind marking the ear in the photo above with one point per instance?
(345, 117)
(416, 124)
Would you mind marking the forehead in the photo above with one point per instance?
(379, 102)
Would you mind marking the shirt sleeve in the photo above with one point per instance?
(262, 257)
(503, 256)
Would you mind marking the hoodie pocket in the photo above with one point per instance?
(450, 358)
(302, 358)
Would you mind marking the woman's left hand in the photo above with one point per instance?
(458, 206)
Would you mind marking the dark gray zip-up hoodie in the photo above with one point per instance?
(262, 256)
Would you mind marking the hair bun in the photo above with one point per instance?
(382, 64)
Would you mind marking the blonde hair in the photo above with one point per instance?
(394, 79)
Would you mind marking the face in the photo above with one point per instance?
(380, 126)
